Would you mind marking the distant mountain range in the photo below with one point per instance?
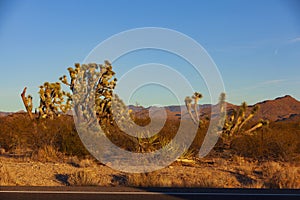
(4, 114)
(284, 108)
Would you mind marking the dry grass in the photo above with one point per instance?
(5, 176)
(81, 163)
(46, 154)
(149, 180)
(83, 178)
(277, 176)
(157, 179)
(2, 151)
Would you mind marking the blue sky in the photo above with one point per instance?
(255, 44)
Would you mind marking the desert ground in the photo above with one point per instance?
(236, 172)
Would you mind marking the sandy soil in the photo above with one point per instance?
(236, 173)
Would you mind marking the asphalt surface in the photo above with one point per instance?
(119, 193)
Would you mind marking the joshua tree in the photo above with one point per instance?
(94, 78)
(92, 88)
(188, 103)
(196, 98)
(238, 119)
(222, 114)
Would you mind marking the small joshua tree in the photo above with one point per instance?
(236, 121)
(188, 103)
(196, 98)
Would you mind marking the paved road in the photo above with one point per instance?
(119, 193)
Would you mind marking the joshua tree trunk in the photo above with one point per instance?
(196, 110)
(25, 102)
(236, 125)
(190, 112)
(28, 106)
(196, 98)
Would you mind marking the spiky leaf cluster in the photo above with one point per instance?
(92, 88)
(53, 100)
(121, 113)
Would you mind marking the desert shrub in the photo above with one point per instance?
(280, 142)
(12, 128)
(61, 134)
(157, 141)
(19, 131)
(134, 144)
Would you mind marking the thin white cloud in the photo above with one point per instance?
(295, 40)
(261, 84)
(270, 82)
(288, 42)
(235, 48)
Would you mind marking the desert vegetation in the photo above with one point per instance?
(250, 153)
